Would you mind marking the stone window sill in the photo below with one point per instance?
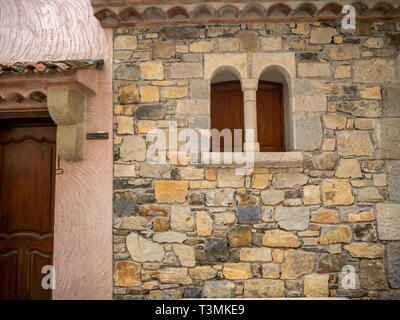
(292, 159)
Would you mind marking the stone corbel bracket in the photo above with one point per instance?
(67, 99)
(67, 108)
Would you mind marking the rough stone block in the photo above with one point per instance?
(127, 274)
(220, 197)
(393, 264)
(322, 35)
(361, 108)
(272, 197)
(375, 70)
(292, 218)
(391, 99)
(163, 49)
(143, 250)
(250, 214)
(184, 70)
(237, 271)
(248, 41)
(388, 218)
(314, 69)
(240, 237)
(125, 42)
(175, 276)
(216, 249)
(336, 192)
(219, 289)
(316, 285)
(150, 112)
(372, 274)
(342, 234)
(261, 288)
(169, 191)
(152, 70)
(133, 148)
(388, 137)
(354, 143)
(127, 71)
(307, 132)
(279, 238)
(182, 219)
(393, 173)
(289, 180)
(297, 263)
(255, 254)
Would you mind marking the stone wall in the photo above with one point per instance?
(185, 230)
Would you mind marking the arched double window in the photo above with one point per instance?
(228, 112)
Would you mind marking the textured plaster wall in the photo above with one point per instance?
(32, 30)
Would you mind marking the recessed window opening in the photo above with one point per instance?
(272, 112)
(226, 113)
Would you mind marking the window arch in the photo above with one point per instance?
(227, 112)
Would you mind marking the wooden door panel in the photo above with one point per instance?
(270, 117)
(227, 112)
(23, 174)
(9, 264)
(27, 180)
(37, 259)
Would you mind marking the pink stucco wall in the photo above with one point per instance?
(33, 30)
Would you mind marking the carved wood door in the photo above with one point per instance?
(227, 112)
(27, 184)
(270, 117)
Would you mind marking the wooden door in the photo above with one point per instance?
(270, 117)
(27, 180)
(227, 112)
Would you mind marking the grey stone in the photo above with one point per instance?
(150, 112)
(250, 214)
(372, 274)
(127, 71)
(180, 33)
(222, 31)
(219, 289)
(394, 180)
(220, 197)
(327, 160)
(200, 122)
(332, 263)
(364, 232)
(192, 292)
(351, 293)
(124, 205)
(388, 137)
(362, 108)
(391, 101)
(292, 218)
(199, 89)
(374, 70)
(308, 132)
(185, 70)
(388, 218)
(393, 263)
(216, 249)
(289, 180)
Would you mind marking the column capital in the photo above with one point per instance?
(249, 84)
